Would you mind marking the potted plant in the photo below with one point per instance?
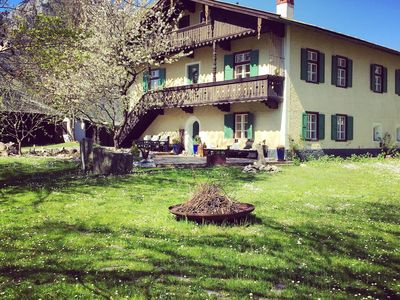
(280, 152)
(176, 146)
(196, 143)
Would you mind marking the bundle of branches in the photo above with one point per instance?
(209, 199)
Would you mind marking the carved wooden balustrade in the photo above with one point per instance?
(266, 88)
(202, 33)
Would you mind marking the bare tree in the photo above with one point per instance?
(22, 118)
(94, 73)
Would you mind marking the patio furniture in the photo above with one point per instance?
(154, 143)
(247, 151)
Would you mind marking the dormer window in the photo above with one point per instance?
(242, 65)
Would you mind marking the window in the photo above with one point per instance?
(312, 127)
(202, 17)
(242, 65)
(241, 125)
(378, 72)
(341, 128)
(193, 71)
(398, 134)
(154, 79)
(377, 133)
(342, 72)
(312, 66)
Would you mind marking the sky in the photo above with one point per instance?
(377, 21)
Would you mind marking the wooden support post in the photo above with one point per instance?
(149, 78)
(214, 68)
(187, 109)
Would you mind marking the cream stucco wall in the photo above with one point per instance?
(359, 101)
(176, 73)
(211, 119)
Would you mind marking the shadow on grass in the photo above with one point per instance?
(279, 254)
(215, 263)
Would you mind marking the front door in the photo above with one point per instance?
(193, 74)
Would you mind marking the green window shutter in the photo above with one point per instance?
(228, 126)
(349, 73)
(333, 127)
(372, 77)
(254, 61)
(321, 64)
(304, 125)
(145, 82)
(250, 126)
(303, 74)
(321, 126)
(228, 62)
(334, 70)
(384, 79)
(349, 128)
(397, 83)
(162, 78)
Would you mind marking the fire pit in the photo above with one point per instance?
(245, 210)
(209, 204)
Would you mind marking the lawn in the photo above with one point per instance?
(321, 230)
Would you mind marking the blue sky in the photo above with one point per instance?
(377, 21)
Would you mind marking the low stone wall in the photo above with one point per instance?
(108, 162)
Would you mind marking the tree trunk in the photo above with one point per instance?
(19, 147)
(117, 144)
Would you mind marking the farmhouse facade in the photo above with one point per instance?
(264, 77)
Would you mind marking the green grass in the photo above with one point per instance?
(321, 230)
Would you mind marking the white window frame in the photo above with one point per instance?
(378, 78)
(187, 71)
(342, 67)
(154, 79)
(241, 122)
(242, 61)
(312, 66)
(341, 124)
(312, 127)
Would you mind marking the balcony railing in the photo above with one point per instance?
(266, 88)
(203, 33)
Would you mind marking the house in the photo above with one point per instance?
(255, 75)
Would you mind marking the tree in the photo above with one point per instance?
(112, 43)
(21, 119)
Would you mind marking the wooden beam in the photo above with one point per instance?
(214, 66)
(226, 45)
(223, 107)
(188, 109)
(159, 111)
(272, 104)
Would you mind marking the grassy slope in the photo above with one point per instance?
(328, 230)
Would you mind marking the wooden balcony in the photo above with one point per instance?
(203, 34)
(266, 88)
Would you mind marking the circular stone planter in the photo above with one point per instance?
(245, 210)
